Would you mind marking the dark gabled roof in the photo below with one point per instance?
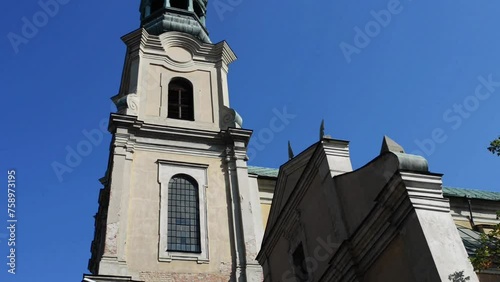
(447, 191)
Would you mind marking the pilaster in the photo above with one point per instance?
(245, 229)
(114, 259)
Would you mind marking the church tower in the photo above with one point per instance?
(176, 203)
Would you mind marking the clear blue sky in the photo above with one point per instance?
(407, 82)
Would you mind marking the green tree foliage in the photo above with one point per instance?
(495, 147)
(488, 254)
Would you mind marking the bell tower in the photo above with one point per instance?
(176, 202)
(188, 16)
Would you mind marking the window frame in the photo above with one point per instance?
(296, 236)
(166, 171)
(188, 183)
(300, 270)
(155, 9)
(182, 88)
(186, 8)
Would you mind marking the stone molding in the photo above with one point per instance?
(154, 45)
(105, 278)
(132, 135)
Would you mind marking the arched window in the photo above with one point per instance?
(180, 4)
(157, 5)
(183, 215)
(197, 9)
(180, 99)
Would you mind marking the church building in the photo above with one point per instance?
(180, 203)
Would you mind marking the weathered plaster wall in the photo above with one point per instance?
(155, 98)
(266, 193)
(266, 209)
(407, 258)
(143, 230)
(318, 226)
(386, 268)
(279, 263)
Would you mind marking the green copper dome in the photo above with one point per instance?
(188, 16)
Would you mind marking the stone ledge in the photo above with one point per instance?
(102, 278)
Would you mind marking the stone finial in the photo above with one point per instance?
(389, 145)
(290, 151)
(322, 129)
(406, 161)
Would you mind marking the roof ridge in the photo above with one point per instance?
(471, 189)
(256, 166)
(448, 191)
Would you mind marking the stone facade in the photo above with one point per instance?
(387, 221)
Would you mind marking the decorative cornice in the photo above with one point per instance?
(333, 147)
(176, 163)
(236, 141)
(139, 127)
(135, 39)
(228, 55)
(425, 191)
(238, 135)
(203, 52)
(131, 135)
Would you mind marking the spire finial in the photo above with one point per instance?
(322, 129)
(290, 151)
(389, 145)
